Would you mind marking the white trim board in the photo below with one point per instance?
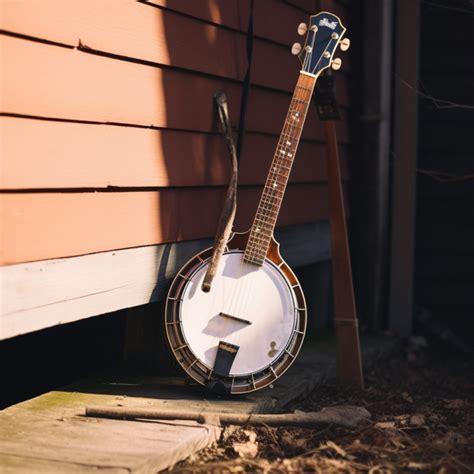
(42, 294)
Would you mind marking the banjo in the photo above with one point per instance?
(248, 329)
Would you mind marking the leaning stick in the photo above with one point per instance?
(348, 416)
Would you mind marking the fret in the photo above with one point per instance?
(270, 190)
(258, 262)
(264, 225)
(267, 210)
(300, 100)
(278, 174)
(281, 166)
(261, 236)
(274, 176)
(304, 88)
(260, 220)
(268, 214)
(269, 199)
(262, 243)
(256, 250)
(256, 253)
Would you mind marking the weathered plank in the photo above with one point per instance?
(95, 156)
(75, 85)
(50, 429)
(43, 294)
(68, 224)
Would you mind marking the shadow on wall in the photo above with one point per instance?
(194, 154)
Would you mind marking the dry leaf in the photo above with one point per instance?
(384, 425)
(334, 447)
(451, 438)
(402, 419)
(251, 435)
(407, 397)
(246, 450)
(417, 420)
(289, 443)
(456, 404)
(418, 466)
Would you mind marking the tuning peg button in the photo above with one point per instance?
(336, 63)
(345, 44)
(296, 49)
(302, 29)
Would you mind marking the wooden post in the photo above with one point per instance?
(349, 363)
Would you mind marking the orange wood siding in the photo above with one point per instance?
(119, 94)
(64, 224)
(76, 155)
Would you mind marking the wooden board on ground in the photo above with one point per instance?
(51, 434)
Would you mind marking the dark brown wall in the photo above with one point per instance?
(445, 211)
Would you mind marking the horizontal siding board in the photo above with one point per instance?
(429, 112)
(431, 26)
(446, 136)
(220, 12)
(445, 266)
(235, 14)
(441, 58)
(453, 188)
(454, 162)
(75, 85)
(133, 30)
(67, 224)
(51, 292)
(444, 225)
(451, 87)
(75, 155)
(445, 293)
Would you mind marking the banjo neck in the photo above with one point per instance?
(261, 232)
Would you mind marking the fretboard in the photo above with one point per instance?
(272, 196)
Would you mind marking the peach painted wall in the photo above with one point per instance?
(109, 139)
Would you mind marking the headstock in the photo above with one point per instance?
(323, 35)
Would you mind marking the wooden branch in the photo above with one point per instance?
(348, 416)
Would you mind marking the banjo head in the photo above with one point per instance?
(254, 318)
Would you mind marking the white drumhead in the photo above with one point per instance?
(259, 295)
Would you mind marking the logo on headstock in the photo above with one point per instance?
(329, 24)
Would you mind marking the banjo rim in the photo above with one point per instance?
(195, 367)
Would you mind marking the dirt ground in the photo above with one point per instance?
(421, 401)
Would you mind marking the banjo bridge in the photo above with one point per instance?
(235, 318)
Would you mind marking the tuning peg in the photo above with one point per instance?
(296, 49)
(336, 63)
(302, 29)
(345, 44)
